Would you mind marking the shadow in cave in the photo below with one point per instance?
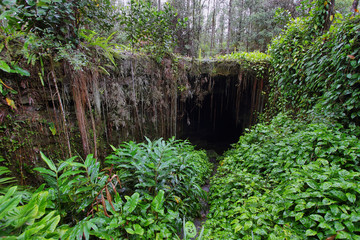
(220, 117)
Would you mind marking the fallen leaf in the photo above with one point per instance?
(351, 56)
(11, 103)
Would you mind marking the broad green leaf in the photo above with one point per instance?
(343, 235)
(299, 215)
(339, 194)
(260, 231)
(310, 232)
(20, 71)
(325, 186)
(45, 171)
(190, 229)
(113, 148)
(355, 217)
(4, 66)
(351, 197)
(248, 225)
(310, 204)
(158, 201)
(312, 184)
(49, 162)
(338, 226)
(299, 207)
(238, 227)
(131, 204)
(148, 222)
(8, 204)
(334, 209)
(324, 225)
(273, 237)
(70, 173)
(138, 229)
(130, 231)
(306, 221)
(349, 225)
(317, 217)
(89, 160)
(328, 201)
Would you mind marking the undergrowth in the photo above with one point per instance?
(295, 175)
(289, 179)
(144, 192)
(246, 56)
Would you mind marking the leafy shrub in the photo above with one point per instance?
(248, 56)
(159, 182)
(156, 184)
(289, 179)
(25, 215)
(172, 166)
(73, 185)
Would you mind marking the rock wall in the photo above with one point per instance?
(136, 98)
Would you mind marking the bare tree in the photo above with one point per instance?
(213, 26)
(229, 26)
(222, 26)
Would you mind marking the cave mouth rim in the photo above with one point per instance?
(218, 118)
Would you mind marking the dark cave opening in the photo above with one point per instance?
(218, 118)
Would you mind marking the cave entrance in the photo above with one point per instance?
(217, 117)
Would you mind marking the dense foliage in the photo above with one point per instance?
(315, 70)
(293, 177)
(289, 179)
(296, 176)
(145, 193)
(150, 30)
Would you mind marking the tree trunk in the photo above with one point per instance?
(328, 18)
(159, 5)
(241, 21)
(199, 13)
(221, 40)
(213, 26)
(229, 26)
(354, 7)
(193, 28)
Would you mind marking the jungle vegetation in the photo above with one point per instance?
(293, 175)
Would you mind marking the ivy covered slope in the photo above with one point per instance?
(144, 192)
(289, 179)
(321, 71)
(297, 175)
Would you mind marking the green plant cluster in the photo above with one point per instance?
(290, 179)
(316, 70)
(144, 194)
(58, 20)
(258, 61)
(172, 166)
(150, 30)
(245, 56)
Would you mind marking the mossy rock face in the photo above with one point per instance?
(136, 84)
(226, 68)
(222, 67)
